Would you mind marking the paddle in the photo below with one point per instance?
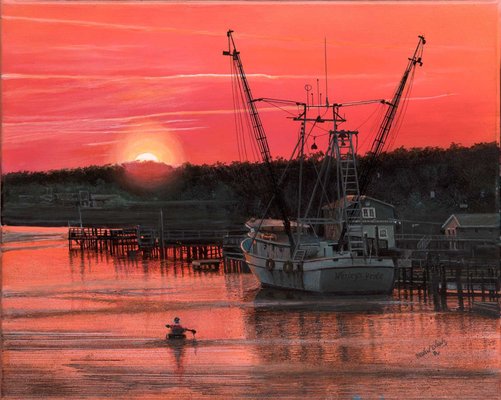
(185, 329)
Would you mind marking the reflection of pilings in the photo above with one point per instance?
(462, 279)
(451, 278)
(235, 265)
(190, 252)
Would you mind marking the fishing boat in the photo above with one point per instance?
(316, 265)
(324, 248)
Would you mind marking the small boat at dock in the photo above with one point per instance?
(210, 264)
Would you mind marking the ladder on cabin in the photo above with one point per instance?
(349, 190)
(299, 255)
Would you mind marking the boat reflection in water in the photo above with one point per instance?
(178, 348)
(311, 328)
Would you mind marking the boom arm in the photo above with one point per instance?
(259, 135)
(384, 129)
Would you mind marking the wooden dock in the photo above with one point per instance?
(471, 276)
(114, 241)
(474, 283)
(146, 242)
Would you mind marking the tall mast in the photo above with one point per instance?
(260, 136)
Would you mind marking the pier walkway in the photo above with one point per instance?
(183, 245)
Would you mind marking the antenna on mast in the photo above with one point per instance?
(318, 91)
(325, 64)
(308, 89)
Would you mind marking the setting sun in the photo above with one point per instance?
(147, 157)
(148, 141)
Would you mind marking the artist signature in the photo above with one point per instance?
(432, 349)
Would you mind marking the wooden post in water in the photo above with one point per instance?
(425, 278)
(443, 272)
(162, 253)
(434, 286)
(467, 279)
(459, 287)
(412, 276)
(482, 285)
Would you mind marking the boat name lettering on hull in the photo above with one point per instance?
(358, 276)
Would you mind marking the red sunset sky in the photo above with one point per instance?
(91, 83)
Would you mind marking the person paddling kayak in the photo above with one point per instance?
(177, 330)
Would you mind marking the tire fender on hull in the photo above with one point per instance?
(288, 267)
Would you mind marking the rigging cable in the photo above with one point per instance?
(246, 120)
(236, 110)
(400, 116)
(376, 116)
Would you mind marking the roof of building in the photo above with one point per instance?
(487, 220)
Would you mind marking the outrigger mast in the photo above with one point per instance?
(260, 136)
(352, 213)
(384, 129)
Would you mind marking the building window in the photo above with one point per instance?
(368, 212)
(383, 233)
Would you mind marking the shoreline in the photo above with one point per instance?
(176, 217)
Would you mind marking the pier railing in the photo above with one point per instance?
(182, 235)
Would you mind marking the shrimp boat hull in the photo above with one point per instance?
(342, 275)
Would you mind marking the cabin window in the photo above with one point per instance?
(383, 233)
(368, 212)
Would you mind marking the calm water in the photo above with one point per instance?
(91, 326)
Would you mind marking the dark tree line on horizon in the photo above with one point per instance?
(421, 182)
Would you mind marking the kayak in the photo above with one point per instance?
(175, 336)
